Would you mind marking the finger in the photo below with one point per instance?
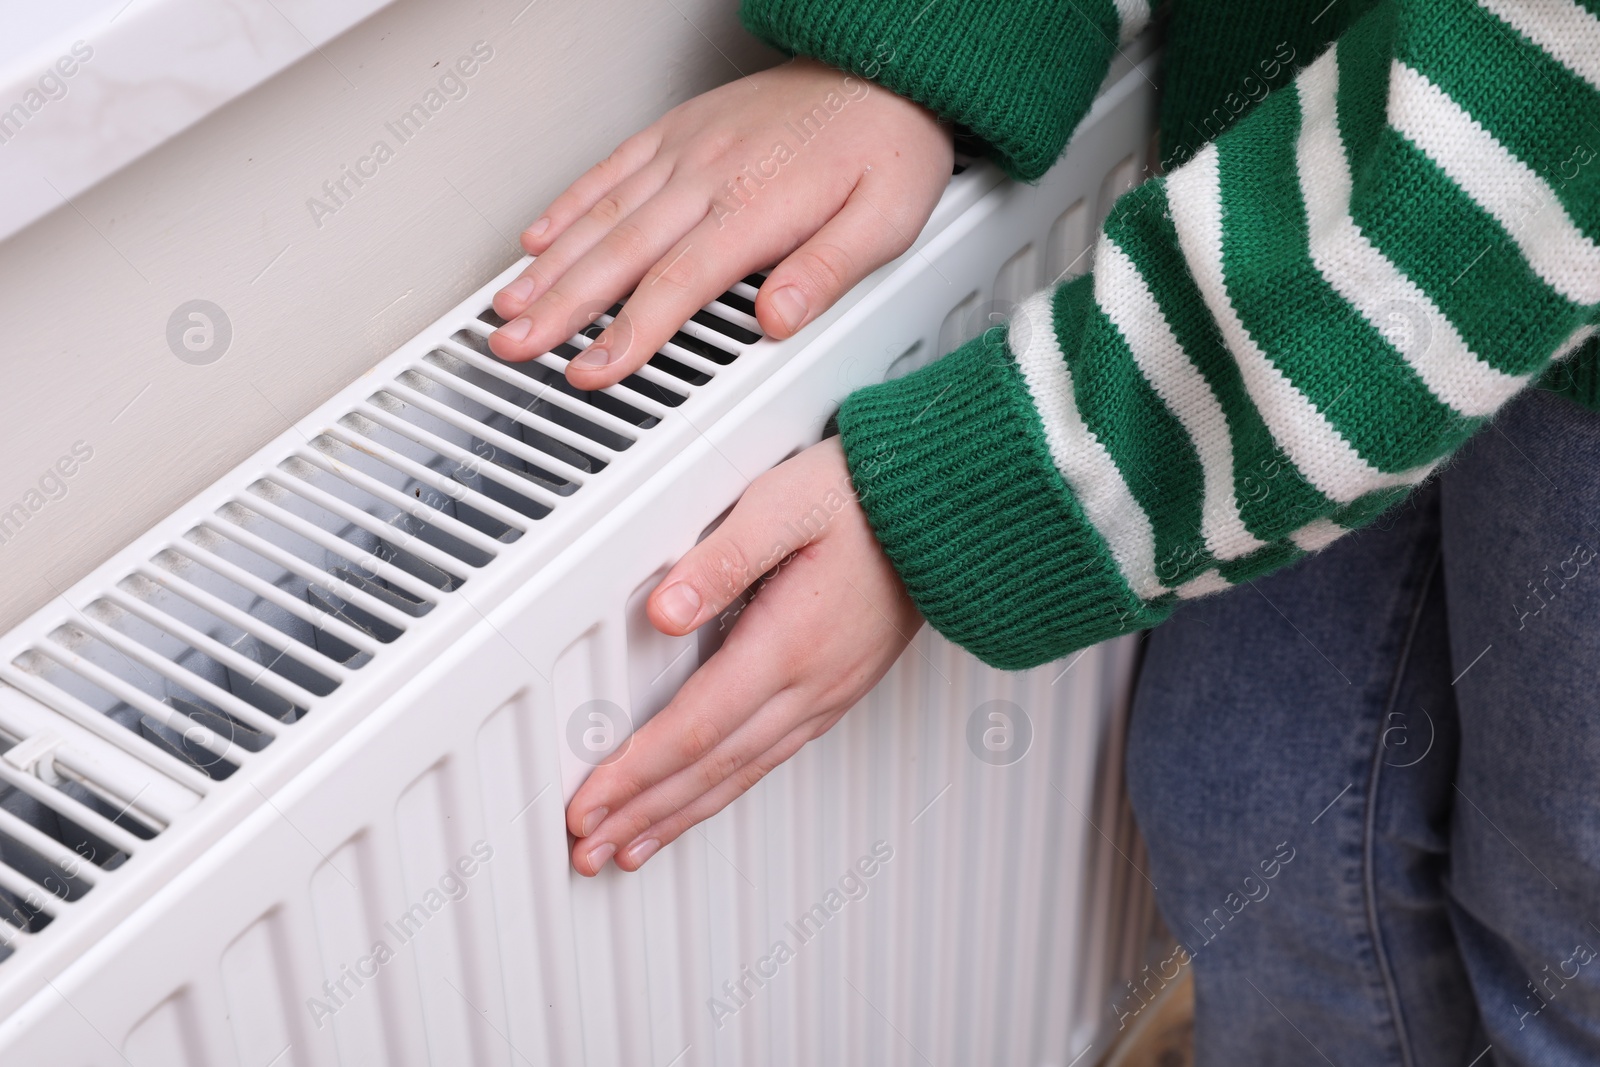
(754, 734)
(724, 692)
(713, 704)
(778, 515)
(658, 835)
(858, 240)
(595, 284)
(610, 211)
(582, 195)
(734, 759)
(693, 272)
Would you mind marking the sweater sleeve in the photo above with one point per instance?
(1280, 339)
(1016, 75)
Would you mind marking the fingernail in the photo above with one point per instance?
(598, 857)
(519, 290)
(516, 330)
(680, 604)
(643, 850)
(594, 357)
(591, 821)
(536, 231)
(790, 304)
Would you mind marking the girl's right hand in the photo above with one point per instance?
(802, 163)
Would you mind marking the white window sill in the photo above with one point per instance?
(141, 71)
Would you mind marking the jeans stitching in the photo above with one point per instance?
(1369, 872)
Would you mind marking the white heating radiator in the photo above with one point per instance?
(282, 782)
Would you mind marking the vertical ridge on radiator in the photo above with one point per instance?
(517, 779)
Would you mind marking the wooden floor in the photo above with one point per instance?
(1163, 1034)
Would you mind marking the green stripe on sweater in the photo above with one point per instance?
(1450, 247)
(1260, 562)
(1338, 361)
(1362, 511)
(1461, 257)
(1149, 446)
(1270, 493)
(1524, 97)
(1364, 57)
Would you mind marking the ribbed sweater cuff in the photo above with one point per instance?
(1017, 76)
(956, 479)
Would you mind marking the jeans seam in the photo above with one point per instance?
(1369, 870)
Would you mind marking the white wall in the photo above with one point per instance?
(220, 213)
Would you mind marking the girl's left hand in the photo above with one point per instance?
(814, 639)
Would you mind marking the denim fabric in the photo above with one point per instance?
(1370, 783)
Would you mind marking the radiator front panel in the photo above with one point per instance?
(949, 876)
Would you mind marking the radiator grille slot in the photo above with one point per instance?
(55, 841)
(431, 541)
(611, 407)
(587, 424)
(40, 867)
(230, 634)
(562, 453)
(376, 551)
(204, 697)
(449, 467)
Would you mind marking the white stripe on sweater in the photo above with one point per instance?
(1364, 276)
(1203, 584)
(1317, 534)
(1570, 346)
(1127, 301)
(1132, 16)
(1324, 458)
(1083, 461)
(1504, 186)
(1566, 31)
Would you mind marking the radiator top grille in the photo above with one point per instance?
(199, 658)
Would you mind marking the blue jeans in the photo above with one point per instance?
(1370, 783)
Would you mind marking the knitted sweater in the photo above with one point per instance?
(1330, 291)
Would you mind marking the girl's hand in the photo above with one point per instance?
(800, 161)
(816, 637)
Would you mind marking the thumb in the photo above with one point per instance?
(784, 510)
(851, 245)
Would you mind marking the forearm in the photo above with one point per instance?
(1279, 341)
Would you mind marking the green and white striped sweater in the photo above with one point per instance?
(1228, 391)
